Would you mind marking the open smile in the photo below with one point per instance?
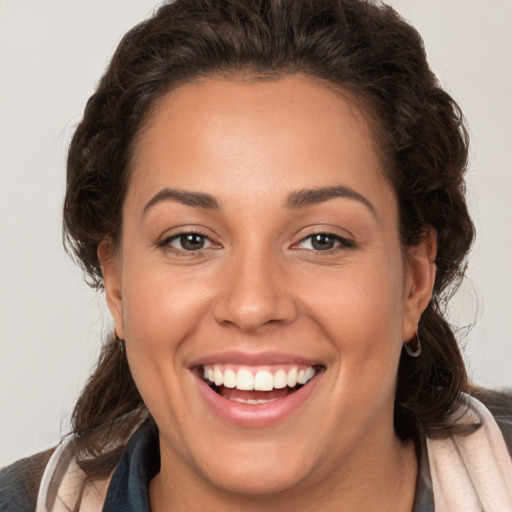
(265, 384)
(256, 396)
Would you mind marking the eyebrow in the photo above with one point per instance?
(308, 197)
(297, 199)
(194, 199)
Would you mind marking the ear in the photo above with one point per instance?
(111, 270)
(419, 282)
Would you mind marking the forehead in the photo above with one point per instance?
(228, 133)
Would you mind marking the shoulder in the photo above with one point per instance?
(499, 404)
(19, 483)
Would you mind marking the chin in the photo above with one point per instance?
(263, 462)
(257, 477)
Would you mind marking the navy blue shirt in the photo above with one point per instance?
(129, 487)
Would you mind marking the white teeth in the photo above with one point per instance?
(280, 380)
(217, 376)
(305, 375)
(263, 381)
(246, 379)
(292, 378)
(253, 402)
(229, 379)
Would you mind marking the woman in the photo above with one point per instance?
(271, 195)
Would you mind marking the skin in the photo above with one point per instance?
(258, 284)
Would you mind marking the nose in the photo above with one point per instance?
(255, 294)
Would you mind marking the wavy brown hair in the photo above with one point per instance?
(356, 46)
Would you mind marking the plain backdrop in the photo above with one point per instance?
(52, 54)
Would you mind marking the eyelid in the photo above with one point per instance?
(165, 240)
(343, 242)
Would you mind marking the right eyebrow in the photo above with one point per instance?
(194, 199)
(308, 197)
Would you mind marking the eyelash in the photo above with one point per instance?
(340, 243)
(166, 242)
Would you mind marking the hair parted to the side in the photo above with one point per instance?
(359, 47)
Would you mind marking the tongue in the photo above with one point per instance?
(233, 393)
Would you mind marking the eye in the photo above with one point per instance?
(324, 242)
(187, 242)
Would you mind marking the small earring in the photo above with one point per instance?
(119, 341)
(410, 351)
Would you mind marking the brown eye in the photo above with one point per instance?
(187, 242)
(192, 242)
(322, 242)
(325, 242)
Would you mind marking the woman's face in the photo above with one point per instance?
(260, 245)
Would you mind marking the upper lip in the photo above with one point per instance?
(260, 358)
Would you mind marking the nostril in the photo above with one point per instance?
(256, 294)
(252, 315)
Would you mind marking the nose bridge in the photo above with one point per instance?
(255, 294)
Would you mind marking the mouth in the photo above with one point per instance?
(256, 396)
(257, 385)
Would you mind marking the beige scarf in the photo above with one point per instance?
(472, 473)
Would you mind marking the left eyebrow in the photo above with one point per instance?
(194, 199)
(308, 197)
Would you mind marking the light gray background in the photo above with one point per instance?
(51, 55)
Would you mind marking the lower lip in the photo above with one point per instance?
(257, 415)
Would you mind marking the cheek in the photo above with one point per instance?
(162, 312)
(358, 298)
(156, 314)
(361, 312)
(158, 304)
(157, 319)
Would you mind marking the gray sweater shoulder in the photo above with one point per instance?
(19, 483)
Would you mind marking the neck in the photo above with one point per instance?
(383, 482)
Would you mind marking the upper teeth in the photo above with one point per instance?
(247, 378)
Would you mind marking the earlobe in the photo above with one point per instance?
(419, 282)
(111, 270)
